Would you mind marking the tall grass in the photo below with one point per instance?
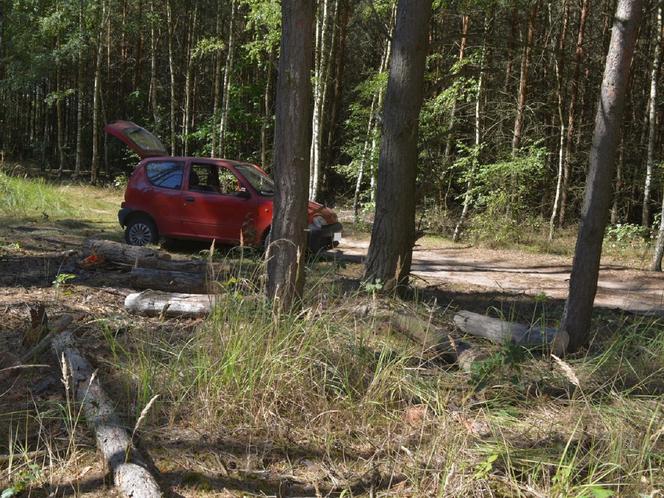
(20, 197)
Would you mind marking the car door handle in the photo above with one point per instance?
(189, 199)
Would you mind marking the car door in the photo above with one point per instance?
(216, 203)
(156, 188)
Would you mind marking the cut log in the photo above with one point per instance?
(436, 340)
(501, 332)
(171, 281)
(141, 257)
(130, 474)
(156, 303)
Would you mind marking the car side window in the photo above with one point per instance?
(228, 182)
(165, 174)
(213, 179)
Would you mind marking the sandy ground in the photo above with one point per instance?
(516, 272)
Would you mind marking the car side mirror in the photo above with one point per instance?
(243, 193)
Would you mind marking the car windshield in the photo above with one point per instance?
(259, 180)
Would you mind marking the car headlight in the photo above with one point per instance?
(318, 221)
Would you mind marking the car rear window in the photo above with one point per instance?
(165, 174)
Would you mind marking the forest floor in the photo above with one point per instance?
(442, 263)
(324, 403)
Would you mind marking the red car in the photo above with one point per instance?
(202, 198)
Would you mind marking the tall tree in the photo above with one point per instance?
(393, 232)
(652, 120)
(594, 216)
(292, 142)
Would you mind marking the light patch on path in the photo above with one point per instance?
(530, 274)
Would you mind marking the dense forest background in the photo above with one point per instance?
(511, 93)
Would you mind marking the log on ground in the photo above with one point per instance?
(436, 340)
(143, 257)
(156, 303)
(129, 471)
(501, 332)
(171, 281)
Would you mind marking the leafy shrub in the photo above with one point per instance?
(626, 234)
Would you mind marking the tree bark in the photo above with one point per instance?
(594, 215)
(114, 442)
(393, 232)
(652, 120)
(292, 145)
(167, 304)
(501, 332)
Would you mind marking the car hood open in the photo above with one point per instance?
(138, 139)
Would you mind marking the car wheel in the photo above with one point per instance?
(140, 231)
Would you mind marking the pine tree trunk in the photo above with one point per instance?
(292, 145)
(652, 121)
(523, 80)
(595, 212)
(571, 116)
(94, 168)
(153, 97)
(228, 71)
(393, 233)
(615, 215)
(79, 97)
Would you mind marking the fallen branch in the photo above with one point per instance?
(156, 303)
(501, 332)
(114, 442)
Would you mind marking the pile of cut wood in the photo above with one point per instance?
(170, 287)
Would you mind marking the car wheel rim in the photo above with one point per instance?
(140, 234)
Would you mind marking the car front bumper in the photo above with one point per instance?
(325, 237)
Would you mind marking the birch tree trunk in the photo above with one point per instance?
(558, 68)
(594, 215)
(216, 85)
(320, 91)
(186, 117)
(393, 232)
(292, 145)
(465, 24)
(171, 68)
(652, 120)
(571, 113)
(370, 142)
(478, 138)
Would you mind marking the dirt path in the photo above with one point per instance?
(524, 273)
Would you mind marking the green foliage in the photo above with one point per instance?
(626, 234)
(502, 194)
(62, 278)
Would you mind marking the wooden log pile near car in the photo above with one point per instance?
(172, 287)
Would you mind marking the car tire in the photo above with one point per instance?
(140, 231)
